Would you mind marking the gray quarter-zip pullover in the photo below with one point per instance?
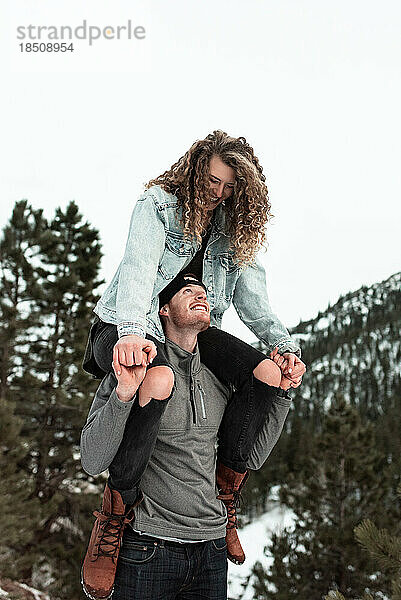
(179, 483)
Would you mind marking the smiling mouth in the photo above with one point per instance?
(200, 307)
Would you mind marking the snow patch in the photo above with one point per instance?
(254, 538)
(323, 323)
(35, 593)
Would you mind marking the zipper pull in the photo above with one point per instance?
(193, 401)
(202, 400)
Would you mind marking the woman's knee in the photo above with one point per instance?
(268, 372)
(158, 384)
(103, 344)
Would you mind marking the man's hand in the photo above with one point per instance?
(129, 380)
(286, 382)
(132, 350)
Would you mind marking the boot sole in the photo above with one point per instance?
(88, 593)
(236, 562)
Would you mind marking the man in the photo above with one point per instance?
(175, 546)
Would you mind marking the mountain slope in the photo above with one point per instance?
(352, 349)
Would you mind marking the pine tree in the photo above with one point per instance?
(16, 502)
(19, 250)
(52, 395)
(385, 549)
(344, 479)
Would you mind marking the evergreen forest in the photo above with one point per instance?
(337, 464)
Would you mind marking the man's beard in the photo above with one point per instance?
(194, 324)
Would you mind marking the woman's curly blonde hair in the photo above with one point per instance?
(247, 210)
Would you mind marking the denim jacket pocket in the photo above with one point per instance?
(228, 263)
(231, 272)
(177, 251)
(178, 245)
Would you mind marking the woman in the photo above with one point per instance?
(206, 215)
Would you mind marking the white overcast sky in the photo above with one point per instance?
(314, 86)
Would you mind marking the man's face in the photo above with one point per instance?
(222, 180)
(188, 308)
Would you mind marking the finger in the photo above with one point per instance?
(293, 379)
(291, 362)
(301, 366)
(152, 351)
(123, 372)
(298, 371)
(137, 357)
(275, 356)
(122, 357)
(116, 362)
(284, 364)
(145, 361)
(129, 359)
(274, 352)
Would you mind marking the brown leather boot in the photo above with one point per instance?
(100, 562)
(230, 483)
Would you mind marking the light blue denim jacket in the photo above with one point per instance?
(156, 251)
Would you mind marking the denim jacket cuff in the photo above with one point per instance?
(289, 346)
(130, 328)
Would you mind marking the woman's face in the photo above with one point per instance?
(222, 180)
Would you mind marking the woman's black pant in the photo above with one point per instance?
(232, 361)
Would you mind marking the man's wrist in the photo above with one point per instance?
(124, 395)
(283, 394)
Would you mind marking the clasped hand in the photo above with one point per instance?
(291, 366)
(133, 350)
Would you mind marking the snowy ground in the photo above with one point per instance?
(254, 537)
(13, 589)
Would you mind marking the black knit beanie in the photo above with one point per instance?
(180, 281)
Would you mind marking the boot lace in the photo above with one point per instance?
(111, 530)
(232, 502)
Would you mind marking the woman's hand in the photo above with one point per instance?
(282, 361)
(295, 368)
(132, 350)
